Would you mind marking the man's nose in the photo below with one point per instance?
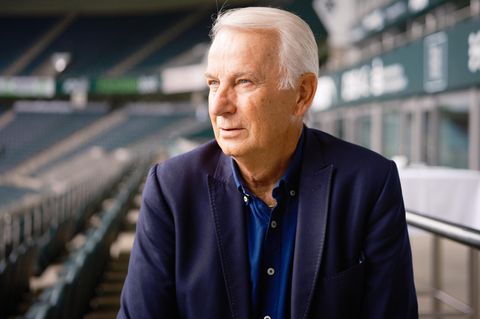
(221, 101)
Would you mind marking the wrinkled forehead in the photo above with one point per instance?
(250, 46)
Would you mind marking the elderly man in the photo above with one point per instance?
(272, 219)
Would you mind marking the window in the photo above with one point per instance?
(453, 139)
(391, 134)
(339, 128)
(363, 130)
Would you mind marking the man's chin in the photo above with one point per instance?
(230, 149)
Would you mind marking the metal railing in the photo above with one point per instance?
(30, 220)
(466, 236)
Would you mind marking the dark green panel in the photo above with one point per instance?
(442, 61)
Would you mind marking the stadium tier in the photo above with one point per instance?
(32, 132)
(10, 194)
(131, 130)
(100, 42)
(17, 34)
(197, 33)
(60, 197)
(96, 44)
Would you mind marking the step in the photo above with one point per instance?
(117, 277)
(118, 266)
(105, 303)
(109, 288)
(101, 315)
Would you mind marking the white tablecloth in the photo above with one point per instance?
(448, 194)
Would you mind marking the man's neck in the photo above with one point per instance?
(261, 173)
(261, 180)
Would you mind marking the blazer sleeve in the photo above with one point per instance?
(149, 289)
(389, 289)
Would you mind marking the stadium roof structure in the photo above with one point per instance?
(113, 47)
(111, 6)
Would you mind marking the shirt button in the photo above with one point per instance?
(267, 317)
(292, 193)
(273, 224)
(270, 271)
(245, 199)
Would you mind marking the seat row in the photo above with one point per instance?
(33, 235)
(70, 295)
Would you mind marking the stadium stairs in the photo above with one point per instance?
(106, 300)
(90, 280)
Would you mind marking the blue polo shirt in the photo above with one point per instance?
(271, 240)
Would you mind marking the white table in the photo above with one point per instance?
(448, 194)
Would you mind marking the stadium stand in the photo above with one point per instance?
(135, 127)
(97, 43)
(196, 34)
(45, 128)
(35, 234)
(46, 205)
(3, 109)
(10, 194)
(20, 33)
(201, 135)
(70, 296)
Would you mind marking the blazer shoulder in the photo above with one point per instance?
(199, 161)
(350, 159)
(341, 152)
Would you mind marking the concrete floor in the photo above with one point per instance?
(455, 271)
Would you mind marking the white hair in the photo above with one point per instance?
(298, 51)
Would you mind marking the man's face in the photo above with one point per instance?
(249, 114)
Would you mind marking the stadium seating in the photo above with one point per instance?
(97, 43)
(10, 194)
(3, 109)
(44, 129)
(201, 135)
(43, 228)
(60, 194)
(196, 34)
(69, 297)
(134, 129)
(17, 34)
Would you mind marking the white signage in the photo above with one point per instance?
(184, 79)
(474, 51)
(374, 80)
(73, 85)
(25, 86)
(148, 84)
(435, 62)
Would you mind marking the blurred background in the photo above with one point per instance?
(93, 92)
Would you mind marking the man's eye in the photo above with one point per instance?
(244, 81)
(212, 83)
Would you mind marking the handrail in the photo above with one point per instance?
(461, 234)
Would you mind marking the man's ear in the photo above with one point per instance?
(306, 92)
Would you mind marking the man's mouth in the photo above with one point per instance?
(230, 132)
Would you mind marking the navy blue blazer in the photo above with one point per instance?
(352, 255)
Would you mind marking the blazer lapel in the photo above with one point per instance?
(314, 195)
(230, 225)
